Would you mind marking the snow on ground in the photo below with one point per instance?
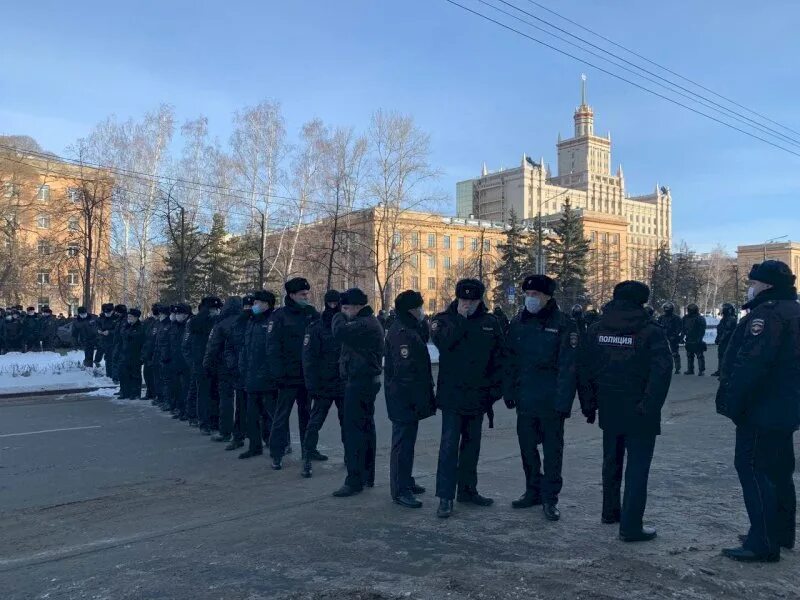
(33, 372)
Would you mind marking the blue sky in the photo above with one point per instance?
(484, 94)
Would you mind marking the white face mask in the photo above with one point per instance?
(533, 304)
(214, 312)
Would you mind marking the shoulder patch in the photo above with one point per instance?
(488, 328)
(269, 326)
(617, 341)
(551, 329)
(306, 339)
(435, 325)
(404, 351)
(756, 326)
(573, 339)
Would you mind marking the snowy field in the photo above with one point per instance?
(47, 371)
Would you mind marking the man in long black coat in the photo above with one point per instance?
(673, 328)
(725, 329)
(409, 392)
(199, 329)
(693, 331)
(84, 334)
(106, 323)
(130, 356)
(627, 369)
(48, 329)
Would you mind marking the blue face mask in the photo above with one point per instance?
(301, 302)
(533, 304)
(257, 309)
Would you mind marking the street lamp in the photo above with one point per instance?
(775, 239)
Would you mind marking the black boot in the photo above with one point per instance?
(316, 455)
(743, 555)
(221, 438)
(551, 512)
(417, 489)
(408, 501)
(526, 501)
(445, 508)
(473, 497)
(306, 472)
(251, 454)
(345, 491)
(645, 535)
(277, 464)
(234, 445)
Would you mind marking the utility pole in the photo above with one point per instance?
(182, 252)
(783, 237)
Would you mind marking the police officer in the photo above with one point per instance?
(14, 331)
(470, 343)
(175, 363)
(693, 331)
(541, 383)
(30, 331)
(409, 392)
(501, 318)
(579, 319)
(232, 349)
(286, 331)
(224, 368)
(627, 376)
(760, 392)
(106, 323)
(147, 351)
(256, 373)
(673, 327)
(199, 329)
(151, 353)
(323, 380)
(48, 329)
(361, 336)
(130, 356)
(121, 312)
(725, 329)
(84, 335)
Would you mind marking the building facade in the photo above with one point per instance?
(584, 178)
(55, 237)
(788, 252)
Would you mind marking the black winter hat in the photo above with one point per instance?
(540, 283)
(264, 296)
(164, 309)
(298, 284)
(353, 297)
(408, 300)
(470, 289)
(30, 308)
(211, 302)
(632, 291)
(773, 272)
(46, 309)
(107, 307)
(182, 309)
(332, 296)
(247, 300)
(135, 312)
(81, 309)
(121, 308)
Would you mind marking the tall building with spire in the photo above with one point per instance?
(625, 230)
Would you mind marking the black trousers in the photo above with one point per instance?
(459, 451)
(130, 380)
(401, 462)
(319, 412)
(358, 428)
(182, 391)
(258, 421)
(227, 403)
(548, 432)
(765, 464)
(190, 402)
(675, 349)
(279, 410)
(639, 450)
(99, 354)
(88, 355)
(721, 354)
(203, 398)
(693, 350)
(149, 381)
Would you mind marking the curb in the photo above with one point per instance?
(38, 393)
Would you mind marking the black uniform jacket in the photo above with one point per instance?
(673, 327)
(362, 345)
(215, 359)
(176, 358)
(694, 330)
(132, 339)
(628, 369)
(725, 329)
(321, 354)
(84, 331)
(760, 374)
(407, 371)
(287, 330)
(253, 363)
(105, 332)
(470, 377)
(541, 361)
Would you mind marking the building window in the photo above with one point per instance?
(432, 305)
(415, 239)
(398, 284)
(43, 277)
(473, 242)
(43, 221)
(594, 236)
(460, 242)
(487, 245)
(74, 195)
(446, 261)
(431, 283)
(43, 195)
(43, 247)
(461, 262)
(72, 278)
(432, 262)
(415, 261)
(415, 283)
(43, 301)
(10, 189)
(397, 239)
(446, 242)
(431, 240)
(73, 249)
(72, 224)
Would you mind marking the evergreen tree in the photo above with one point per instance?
(182, 280)
(513, 266)
(662, 277)
(216, 264)
(567, 257)
(687, 276)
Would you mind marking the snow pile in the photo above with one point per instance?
(47, 371)
(434, 352)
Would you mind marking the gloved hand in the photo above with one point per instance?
(590, 415)
(509, 402)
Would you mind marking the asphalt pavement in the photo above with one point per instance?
(107, 499)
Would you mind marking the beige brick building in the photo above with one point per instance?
(584, 177)
(788, 252)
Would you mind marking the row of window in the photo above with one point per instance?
(45, 248)
(43, 193)
(43, 221)
(446, 262)
(460, 241)
(73, 277)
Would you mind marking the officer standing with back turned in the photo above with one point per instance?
(759, 391)
(672, 325)
(627, 375)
